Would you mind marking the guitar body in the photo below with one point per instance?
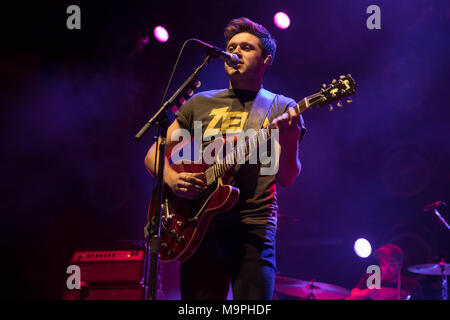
(184, 221)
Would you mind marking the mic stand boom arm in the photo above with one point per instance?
(436, 212)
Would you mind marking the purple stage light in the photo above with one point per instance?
(362, 248)
(282, 20)
(161, 34)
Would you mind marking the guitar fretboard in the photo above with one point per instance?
(337, 90)
(243, 152)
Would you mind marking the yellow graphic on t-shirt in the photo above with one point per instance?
(232, 122)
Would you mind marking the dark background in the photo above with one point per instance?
(72, 101)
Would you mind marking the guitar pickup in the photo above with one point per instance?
(210, 177)
(170, 253)
(181, 239)
(174, 233)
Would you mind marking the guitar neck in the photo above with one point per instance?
(344, 87)
(308, 102)
(241, 153)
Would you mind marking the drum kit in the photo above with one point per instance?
(309, 290)
(437, 269)
(312, 290)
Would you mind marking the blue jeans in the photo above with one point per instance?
(241, 253)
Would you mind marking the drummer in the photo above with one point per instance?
(394, 286)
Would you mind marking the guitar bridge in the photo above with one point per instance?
(210, 177)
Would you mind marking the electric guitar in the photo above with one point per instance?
(184, 221)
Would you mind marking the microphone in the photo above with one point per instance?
(434, 205)
(230, 58)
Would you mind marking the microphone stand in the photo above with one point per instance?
(161, 121)
(438, 215)
(444, 284)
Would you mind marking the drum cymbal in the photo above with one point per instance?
(434, 269)
(309, 289)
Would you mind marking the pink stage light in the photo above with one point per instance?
(282, 20)
(161, 34)
(362, 248)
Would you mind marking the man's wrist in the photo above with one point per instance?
(168, 175)
(289, 139)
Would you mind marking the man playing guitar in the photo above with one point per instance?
(239, 245)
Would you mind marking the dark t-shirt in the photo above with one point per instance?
(409, 287)
(227, 110)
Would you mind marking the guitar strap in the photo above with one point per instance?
(261, 106)
(260, 109)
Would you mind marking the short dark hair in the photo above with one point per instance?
(391, 252)
(239, 25)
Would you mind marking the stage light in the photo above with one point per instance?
(362, 248)
(282, 20)
(161, 34)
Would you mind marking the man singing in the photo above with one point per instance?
(239, 245)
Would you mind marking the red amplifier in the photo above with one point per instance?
(113, 266)
(119, 274)
(109, 292)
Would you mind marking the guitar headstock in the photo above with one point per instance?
(335, 91)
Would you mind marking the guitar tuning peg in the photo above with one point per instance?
(349, 100)
(182, 101)
(198, 83)
(339, 104)
(190, 92)
(324, 85)
(341, 77)
(334, 81)
(330, 107)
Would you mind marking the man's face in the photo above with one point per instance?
(251, 61)
(389, 269)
